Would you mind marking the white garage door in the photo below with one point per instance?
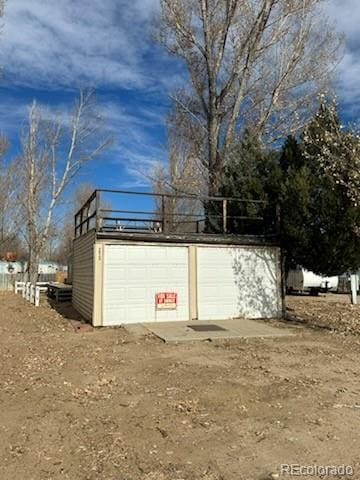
(238, 281)
(133, 275)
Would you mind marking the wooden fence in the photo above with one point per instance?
(7, 280)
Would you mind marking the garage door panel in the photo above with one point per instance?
(134, 273)
(136, 294)
(133, 256)
(119, 269)
(116, 295)
(237, 281)
(157, 274)
(116, 259)
(178, 275)
(132, 277)
(135, 312)
(113, 313)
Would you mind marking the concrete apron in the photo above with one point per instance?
(236, 328)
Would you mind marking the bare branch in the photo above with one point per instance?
(255, 62)
(54, 150)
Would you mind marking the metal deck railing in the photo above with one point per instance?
(119, 212)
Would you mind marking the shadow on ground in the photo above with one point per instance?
(67, 311)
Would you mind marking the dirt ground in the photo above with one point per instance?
(330, 311)
(109, 405)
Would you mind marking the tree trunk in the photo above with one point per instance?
(216, 163)
(33, 266)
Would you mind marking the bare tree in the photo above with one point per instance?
(9, 208)
(258, 62)
(9, 181)
(185, 173)
(54, 149)
(65, 235)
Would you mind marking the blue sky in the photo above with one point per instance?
(51, 47)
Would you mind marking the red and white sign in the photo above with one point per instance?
(166, 301)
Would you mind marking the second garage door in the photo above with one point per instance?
(238, 281)
(133, 275)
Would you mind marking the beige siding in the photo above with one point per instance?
(83, 275)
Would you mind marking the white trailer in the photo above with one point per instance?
(301, 280)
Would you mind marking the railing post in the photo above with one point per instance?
(98, 220)
(163, 214)
(87, 216)
(32, 294)
(354, 288)
(37, 297)
(28, 287)
(75, 225)
(225, 216)
(81, 221)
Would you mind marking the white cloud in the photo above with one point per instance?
(62, 43)
(67, 43)
(136, 150)
(345, 15)
(58, 45)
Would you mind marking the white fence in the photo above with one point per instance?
(7, 280)
(30, 292)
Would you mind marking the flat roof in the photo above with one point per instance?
(216, 239)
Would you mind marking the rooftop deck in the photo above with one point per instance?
(119, 214)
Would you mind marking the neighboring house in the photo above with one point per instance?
(45, 267)
(11, 267)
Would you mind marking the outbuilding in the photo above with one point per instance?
(143, 266)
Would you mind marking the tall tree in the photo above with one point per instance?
(335, 148)
(65, 235)
(258, 62)
(184, 174)
(252, 174)
(54, 149)
(319, 221)
(331, 154)
(9, 207)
